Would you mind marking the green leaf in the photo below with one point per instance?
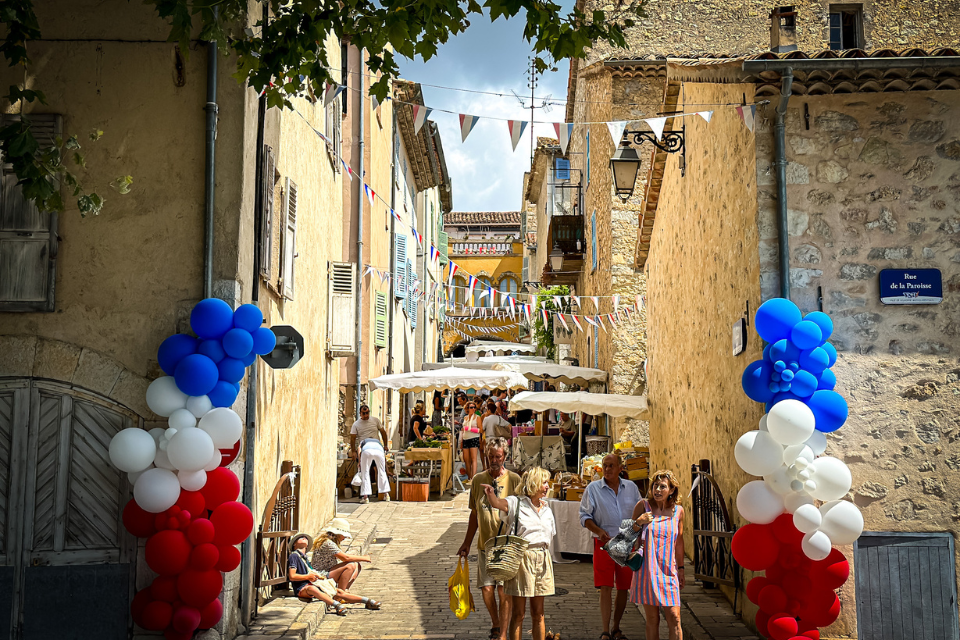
(122, 184)
(78, 159)
(96, 134)
(72, 143)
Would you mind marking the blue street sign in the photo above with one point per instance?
(911, 286)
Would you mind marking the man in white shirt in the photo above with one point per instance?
(369, 431)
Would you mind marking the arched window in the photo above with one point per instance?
(508, 285)
(485, 300)
(459, 290)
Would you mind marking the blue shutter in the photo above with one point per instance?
(596, 348)
(593, 238)
(588, 157)
(400, 257)
(563, 169)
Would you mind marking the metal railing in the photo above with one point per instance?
(713, 562)
(281, 521)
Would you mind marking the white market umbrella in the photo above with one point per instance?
(499, 347)
(549, 372)
(449, 378)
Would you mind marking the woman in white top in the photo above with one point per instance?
(470, 438)
(536, 525)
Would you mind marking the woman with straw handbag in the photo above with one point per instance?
(534, 522)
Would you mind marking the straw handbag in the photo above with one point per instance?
(504, 553)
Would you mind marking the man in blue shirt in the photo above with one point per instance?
(605, 504)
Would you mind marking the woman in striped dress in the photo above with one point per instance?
(657, 585)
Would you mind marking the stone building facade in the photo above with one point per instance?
(872, 162)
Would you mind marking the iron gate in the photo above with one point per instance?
(281, 521)
(713, 561)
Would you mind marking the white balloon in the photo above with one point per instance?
(182, 419)
(832, 478)
(192, 480)
(816, 545)
(800, 464)
(169, 433)
(807, 518)
(795, 500)
(810, 487)
(790, 422)
(132, 477)
(162, 461)
(803, 474)
(156, 490)
(842, 521)
(758, 453)
(215, 461)
(190, 449)
(817, 442)
(797, 485)
(796, 452)
(223, 425)
(763, 423)
(758, 503)
(779, 481)
(157, 434)
(199, 406)
(164, 397)
(132, 450)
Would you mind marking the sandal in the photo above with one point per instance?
(618, 635)
(373, 605)
(605, 633)
(494, 633)
(340, 610)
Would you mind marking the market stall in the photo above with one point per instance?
(551, 372)
(493, 347)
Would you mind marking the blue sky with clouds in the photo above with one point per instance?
(487, 174)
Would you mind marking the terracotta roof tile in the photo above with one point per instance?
(482, 217)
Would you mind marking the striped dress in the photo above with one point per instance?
(657, 583)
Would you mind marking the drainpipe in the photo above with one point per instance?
(391, 306)
(783, 241)
(362, 104)
(210, 164)
(248, 558)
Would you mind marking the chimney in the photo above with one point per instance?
(783, 30)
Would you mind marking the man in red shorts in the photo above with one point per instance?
(605, 504)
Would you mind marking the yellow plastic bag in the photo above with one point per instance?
(458, 586)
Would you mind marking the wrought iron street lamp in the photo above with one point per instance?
(625, 163)
(556, 258)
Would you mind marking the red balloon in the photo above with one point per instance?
(160, 521)
(762, 620)
(812, 634)
(782, 626)
(211, 614)
(776, 574)
(167, 552)
(183, 517)
(186, 619)
(172, 511)
(784, 530)
(198, 588)
(826, 616)
(753, 546)
(172, 523)
(137, 521)
(222, 486)
(204, 556)
(754, 587)
(832, 571)
(138, 604)
(156, 615)
(806, 627)
(796, 585)
(173, 634)
(229, 558)
(233, 522)
(200, 531)
(192, 501)
(164, 588)
(772, 599)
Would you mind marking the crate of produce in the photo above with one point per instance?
(574, 494)
(636, 463)
(637, 474)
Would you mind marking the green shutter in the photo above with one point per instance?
(380, 321)
(443, 243)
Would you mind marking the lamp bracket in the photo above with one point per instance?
(670, 142)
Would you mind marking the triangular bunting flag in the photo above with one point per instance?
(639, 303)
(616, 304)
(616, 130)
(347, 168)
(747, 115)
(434, 254)
(418, 236)
(420, 114)
(546, 317)
(517, 128)
(557, 302)
(374, 102)
(657, 125)
(600, 322)
(612, 321)
(396, 215)
(576, 321)
(367, 271)
(564, 132)
(451, 270)
(706, 115)
(563, 322)
(575, 300)
(590, 320)
(331, 92)
(369, 192)
(467, 122)
(596, 303)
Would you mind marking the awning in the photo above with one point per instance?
(547, 371)
(499, 348)
(449, 378)
(485, 362)
(594, 404)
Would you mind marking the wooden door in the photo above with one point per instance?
(72, 555)
(14, 411)
(906, 585)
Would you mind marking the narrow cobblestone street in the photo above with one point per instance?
(413, 550)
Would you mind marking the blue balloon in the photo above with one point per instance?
(774, 387)
(237, 343)
(806, 335)
(248, 317)
(827, 380)
(224, 394)
(786, 395)
(766, 352)
(211, 318)
(823, 321)
(212, 349)
(264, 341)
(787, 375)
(249, 359)
(196, 375)
(756, 381)
(775, 376)
(775, 318)
(779, 366)
(794, 366)
(784, 350)
(831, 353)
(814, 360)
(830, 410)
(804, 384)
(236, 385)
(173, 350)
(231, 369)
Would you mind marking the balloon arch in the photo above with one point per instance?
(184, 502)
(797, 511)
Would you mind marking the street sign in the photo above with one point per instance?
(911, 286)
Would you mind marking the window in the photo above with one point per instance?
(846, 26)
(266, 223)
(342, 309)
(28, 237)
(485, 300)
(596, 348)
(400, 260)
(508, 286)
(588, 157)
(411, 296)
(331, 129)
(593, 239)
(460, 290)
(289, 238)
(344, 72)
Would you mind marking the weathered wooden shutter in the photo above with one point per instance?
(342, 309)
(593, 239)
(289, 238)
(411, 296)
(28, 237)
(400, 258)
(380, 320)
(906, 586)
(443, 246)
(266, 226)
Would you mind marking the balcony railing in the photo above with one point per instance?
(461, 248)
(566, 232)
